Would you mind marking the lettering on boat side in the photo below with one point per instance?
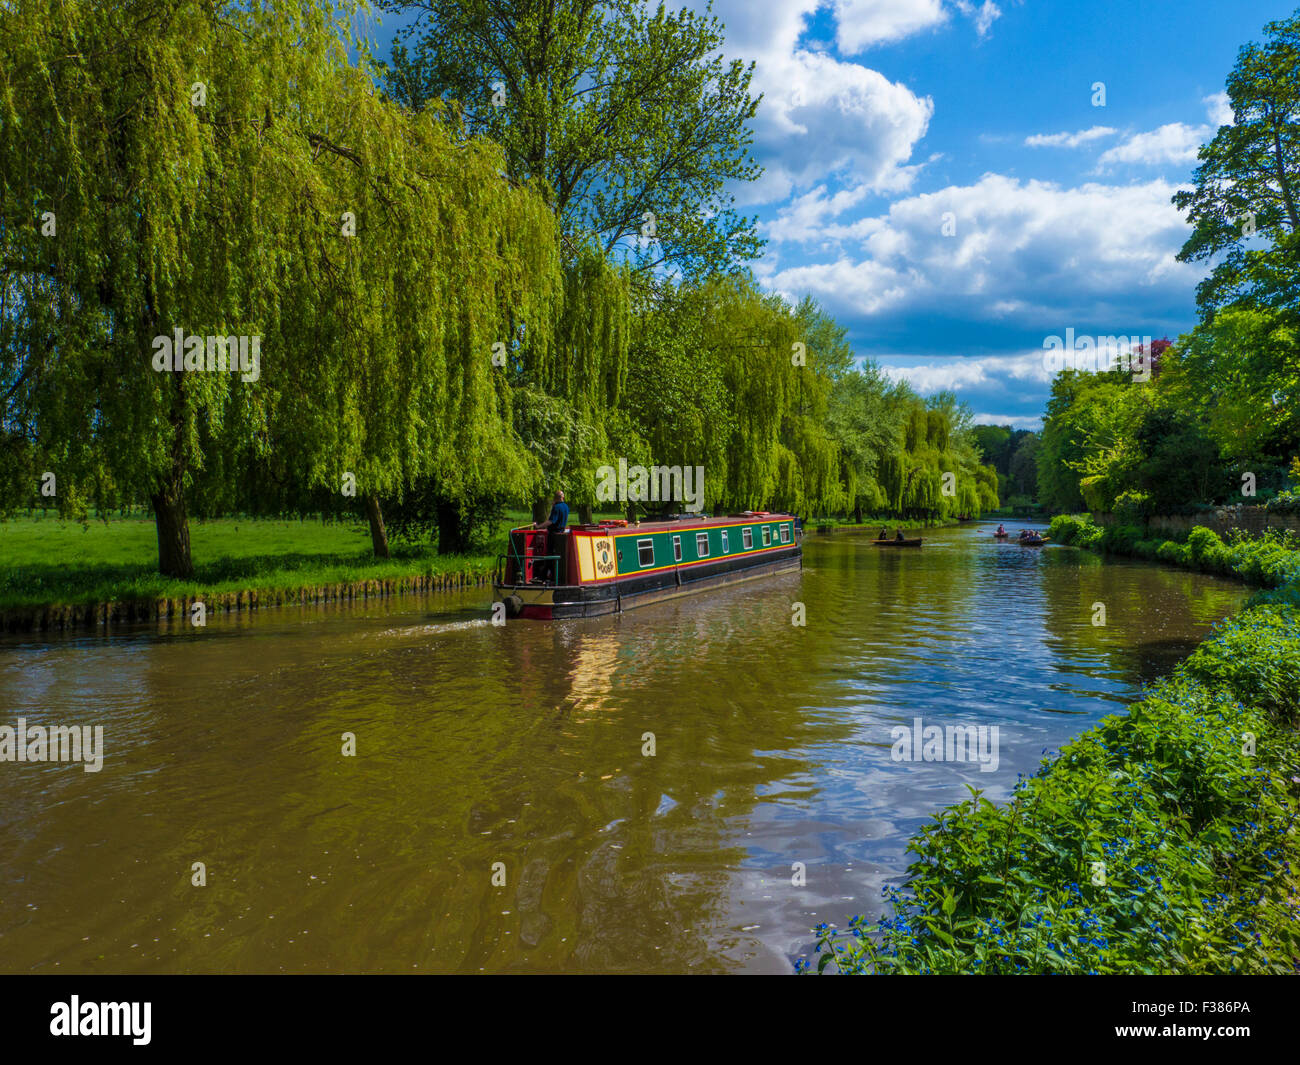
(946, 743)
(603, 549)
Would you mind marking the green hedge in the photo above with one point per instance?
(1271, 561)
(1189, 802)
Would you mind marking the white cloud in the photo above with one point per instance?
(1069, 140)
(1016, 421)
(821, 116)
(1218, 109)
(1175, 142)
(807, 211)
(1034, 250)
(863, 23)
(985, 15)
(963, 374)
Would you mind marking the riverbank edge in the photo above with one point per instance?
(1247, 671)
(1257, 563)
(826, 528)
(56, 617)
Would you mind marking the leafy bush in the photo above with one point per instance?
(1287, 502)
(1079, 531)
(1174, 553)
(1271, 560)
(1156, 842)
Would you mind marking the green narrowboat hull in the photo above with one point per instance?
(620, 568)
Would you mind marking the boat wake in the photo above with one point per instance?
(431, 629)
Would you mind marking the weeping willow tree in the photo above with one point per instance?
(180, 172)
(427, 277)
(568, 395)
(131, 212)
(933, 469)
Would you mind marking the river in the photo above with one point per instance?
(502, 811)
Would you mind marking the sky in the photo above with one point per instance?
(946, 179)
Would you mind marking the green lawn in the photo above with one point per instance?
(49, 561)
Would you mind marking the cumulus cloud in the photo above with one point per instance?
(1032, 250)
(863, 23)
(965, 374)
(1174, 142)
(822, 116)
(1069, 140)
(1012, 383)
(1218, 109)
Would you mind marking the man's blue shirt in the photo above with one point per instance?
(559, 517)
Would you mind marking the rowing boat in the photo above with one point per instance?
(898, 543)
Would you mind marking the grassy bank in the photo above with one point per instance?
(827, 525)
(51, 564)
(1160, 841)
(1271, 561)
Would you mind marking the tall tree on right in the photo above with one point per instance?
(1245, 207)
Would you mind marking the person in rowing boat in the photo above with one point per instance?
(884, 534)
(1001, 530)
(898, 535)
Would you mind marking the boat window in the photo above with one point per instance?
(767, 536)
(646, 552)
(749, 538)
(785, 534)
(702, 545)
(677, 548)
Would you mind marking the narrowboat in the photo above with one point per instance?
(610, 566)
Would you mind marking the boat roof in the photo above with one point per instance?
(687, 521)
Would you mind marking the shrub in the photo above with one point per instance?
(1174, 553)
(1200, 542)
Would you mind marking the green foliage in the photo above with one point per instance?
(1270, 561)
(228, 217)
(626, 115)
(49, 561)
(1247, 186)
(1246, 364)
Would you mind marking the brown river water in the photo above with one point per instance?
(501, 812)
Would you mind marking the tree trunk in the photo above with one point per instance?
(541, 510)
(173, 526)
(451, 540)
(631, 513)
(378, 534)
(584, 513)
(857, 514)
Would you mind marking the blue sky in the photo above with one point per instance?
(882, 119)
